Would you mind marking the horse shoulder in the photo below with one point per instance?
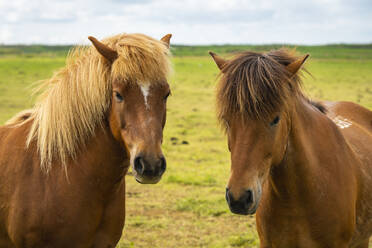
(14, 161)
(355, 123)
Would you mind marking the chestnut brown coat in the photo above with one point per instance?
(63, 163)
(305, 167)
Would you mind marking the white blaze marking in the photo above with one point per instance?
(342, 122)
(133, 153)
(145, 88)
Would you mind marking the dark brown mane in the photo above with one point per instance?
(255, 85)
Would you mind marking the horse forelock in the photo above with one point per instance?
(255, 85)
(75, 100)
(141, 59)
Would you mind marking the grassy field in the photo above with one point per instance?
(187, 208)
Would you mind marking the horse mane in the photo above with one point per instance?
(75, 100)
(255, 85)
(319, 106)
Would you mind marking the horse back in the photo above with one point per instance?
(350, 112)
(355, 123)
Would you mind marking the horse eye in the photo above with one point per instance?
(166, 96)
(275, 121)
(118, 97)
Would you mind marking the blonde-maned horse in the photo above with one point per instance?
(63, 163)
(305, 167)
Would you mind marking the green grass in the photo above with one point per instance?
(187, 208)
(17, 76)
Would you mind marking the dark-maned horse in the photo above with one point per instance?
(63, 163)
(305, 167)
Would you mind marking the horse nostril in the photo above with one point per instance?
(138, 165)
(163, 165)
(227, 195)
(150, 169)
(248, 198)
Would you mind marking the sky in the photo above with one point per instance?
(190, 21)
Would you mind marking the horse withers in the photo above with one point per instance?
(63, 163)
(304, 166)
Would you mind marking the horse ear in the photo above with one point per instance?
(220, 62)
(296, 65)
(104, 50)
(166, 39)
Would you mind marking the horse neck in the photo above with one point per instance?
(316, 149)
(103, 160)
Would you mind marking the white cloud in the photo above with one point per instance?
(190, 21)
(5, 34)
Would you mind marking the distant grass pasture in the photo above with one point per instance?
(187, 208)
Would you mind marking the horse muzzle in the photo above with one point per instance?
(246, 204)
(149, 171)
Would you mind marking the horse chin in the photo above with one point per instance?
(252, 210)
(147, 180)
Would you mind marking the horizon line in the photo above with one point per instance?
(204, 45)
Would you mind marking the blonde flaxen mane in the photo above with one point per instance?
(75, 100)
